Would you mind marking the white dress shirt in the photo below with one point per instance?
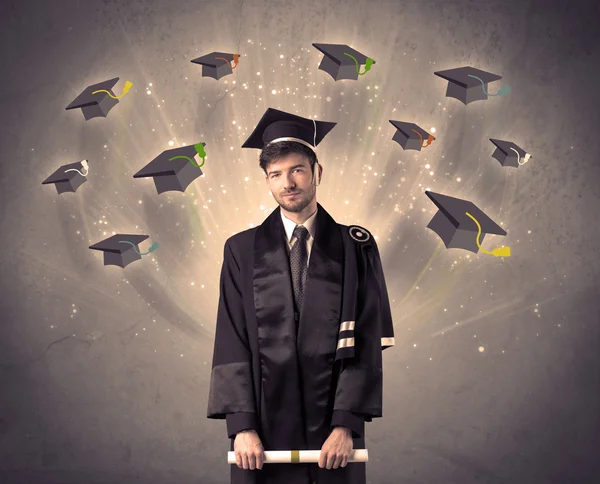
(290, 225)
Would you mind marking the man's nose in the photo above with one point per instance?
(288, 181)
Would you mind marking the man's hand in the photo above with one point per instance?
(249, 452)
(336, 449)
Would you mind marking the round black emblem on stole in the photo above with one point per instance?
(359, 234)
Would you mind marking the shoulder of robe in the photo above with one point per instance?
(242, 242)
(360, 235)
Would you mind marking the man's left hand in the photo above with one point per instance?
(336, 449)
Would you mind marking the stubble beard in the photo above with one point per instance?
(299, 203)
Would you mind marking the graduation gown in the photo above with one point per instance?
(294, 377)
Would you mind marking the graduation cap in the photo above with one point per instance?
(277, 126)
(175, 169)
(410, 136)
(98, 99)
(217, 64)
(122, 249)
(509, 154)
(343, 62)
(68, 178)
(468, 84)
(461, 225)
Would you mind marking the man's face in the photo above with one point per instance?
(291, 175)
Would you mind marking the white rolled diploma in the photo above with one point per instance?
(301, 456)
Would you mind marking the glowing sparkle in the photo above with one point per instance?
(481, 349)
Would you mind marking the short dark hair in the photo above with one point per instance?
(273, 152)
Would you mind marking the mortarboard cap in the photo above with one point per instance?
(175, 169)
(468, 84)
(98, 99)
(217, 64)
(410, 136)
(343, 62)
(122, 249)
(277, 126)
(68, 178)
(509, 154)
(461, 225)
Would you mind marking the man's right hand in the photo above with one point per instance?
(249, 452)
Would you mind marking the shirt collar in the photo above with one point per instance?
(290, 225)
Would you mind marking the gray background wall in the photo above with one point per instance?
(104, 371)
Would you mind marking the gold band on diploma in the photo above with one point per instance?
(295, 456)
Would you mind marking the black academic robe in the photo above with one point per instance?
(293, 377)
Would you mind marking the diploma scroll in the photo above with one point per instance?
(301, 456)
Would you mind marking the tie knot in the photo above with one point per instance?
(301, 232)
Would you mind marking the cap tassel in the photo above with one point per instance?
(84, 165)
(368, 64)
(497, 252)
(236, 58)
(526, 157)
(430, 138)
(153, 247)
(501, 92)
(126, 89)
(199, 147)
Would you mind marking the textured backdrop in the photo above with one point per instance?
(104, 371)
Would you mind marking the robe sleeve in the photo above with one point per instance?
(231, 394)
(360, 384)
(353, 421)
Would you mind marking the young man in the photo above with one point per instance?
(302, 319)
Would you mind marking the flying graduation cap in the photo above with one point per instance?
(98, 99)
(68, 178)
(343, 62)
(175, 169)
(468, 84)
(122, 249)
(509, 154)
(217, 64)
(410, 136)
(461, 225)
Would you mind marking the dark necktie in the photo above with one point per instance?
(298, 260)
